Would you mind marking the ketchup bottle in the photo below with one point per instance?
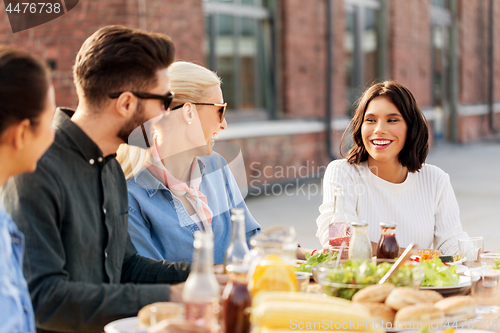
(388, 247)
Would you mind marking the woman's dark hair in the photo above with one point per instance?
(416, 147)
(24, 83)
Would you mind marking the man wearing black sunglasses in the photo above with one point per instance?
(81, 267)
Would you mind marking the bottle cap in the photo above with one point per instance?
(388, 224)
(359, 224)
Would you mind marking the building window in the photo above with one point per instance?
(362, 46)
(238, 46)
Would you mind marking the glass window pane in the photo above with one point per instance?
(248, 59)
(224, 53)
(369, 46)
(440, 62)
(440, 3)
(349, 46)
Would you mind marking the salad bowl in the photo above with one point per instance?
(352, 275)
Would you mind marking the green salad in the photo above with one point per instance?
(437, 274)
(496, 264)
(354, 275)
(362, 274)
(313, 260)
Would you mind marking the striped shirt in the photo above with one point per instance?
(423, 206)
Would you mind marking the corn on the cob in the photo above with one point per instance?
(287, 296)
(318, 316)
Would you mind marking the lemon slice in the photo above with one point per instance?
(274, 275)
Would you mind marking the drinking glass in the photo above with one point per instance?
(485, 284)
(470, 249)
(302, 280)
(334, 251)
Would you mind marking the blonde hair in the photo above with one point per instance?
(190, 83)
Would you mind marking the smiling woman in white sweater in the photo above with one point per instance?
(385, 178)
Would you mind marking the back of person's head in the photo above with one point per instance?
(117, 58)
(24, 84)
(190, 82)
(416, 147)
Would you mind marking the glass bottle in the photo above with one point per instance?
(236, 300)
(238, 248)
(360, 247)
(339, 228)
(273, 261)
(201, 294)
(387, 247)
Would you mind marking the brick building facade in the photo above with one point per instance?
(408, 41)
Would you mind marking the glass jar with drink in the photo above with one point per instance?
(339, 228)
(273, 261)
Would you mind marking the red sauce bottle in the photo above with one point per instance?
(236, 301)
(388, 247)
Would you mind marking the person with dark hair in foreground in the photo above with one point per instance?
(81, 266)
(385, 178)
(26, 110)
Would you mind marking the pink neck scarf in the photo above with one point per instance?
(179, 188)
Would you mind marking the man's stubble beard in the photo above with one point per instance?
(137, 120)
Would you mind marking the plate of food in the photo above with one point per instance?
(443, 278)
(159, 311)
(464, 284)
(408, 309)
(126, 325)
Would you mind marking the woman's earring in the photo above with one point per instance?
(189, 122)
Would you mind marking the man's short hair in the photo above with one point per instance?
(116, 58)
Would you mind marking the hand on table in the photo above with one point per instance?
(176, 292)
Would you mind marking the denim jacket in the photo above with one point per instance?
(16, 311)
(161, 228)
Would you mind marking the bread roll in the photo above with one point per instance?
(380, 312)
(164, 310)
(457, 307)
(375, 293)
(404, 296)
(431, 295)
(418, 316)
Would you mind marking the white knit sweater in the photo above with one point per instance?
(423, 206)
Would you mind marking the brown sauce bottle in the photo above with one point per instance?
(388, 247)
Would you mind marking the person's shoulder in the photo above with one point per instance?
(429, 170)
(432, 174)
(342, 165)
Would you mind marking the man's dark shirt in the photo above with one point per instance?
(81, 267)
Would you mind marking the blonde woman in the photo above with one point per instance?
(178, 185)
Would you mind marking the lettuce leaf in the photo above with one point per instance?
(313, 260)
(437, 274)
